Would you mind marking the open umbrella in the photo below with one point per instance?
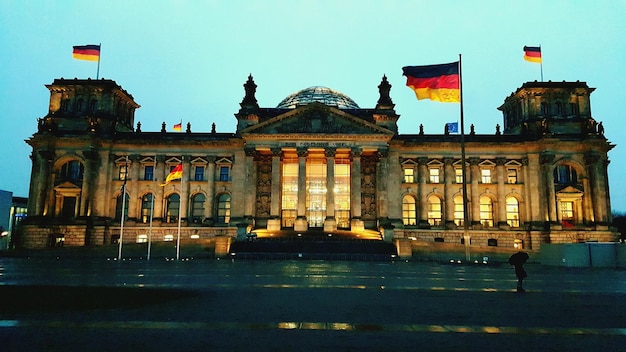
(518, 258)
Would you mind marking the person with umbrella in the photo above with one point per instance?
(518, 259)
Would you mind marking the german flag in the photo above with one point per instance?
(87, 52)
(435, 82)
(175, 174)
(178, 127)
(532, 53)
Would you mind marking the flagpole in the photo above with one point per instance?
(180, 207)
(541, 63)
(99, 55)
(152, 208)
(121, 241)
(466, 236)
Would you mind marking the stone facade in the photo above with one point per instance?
(318, 162)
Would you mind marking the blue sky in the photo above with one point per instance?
(187, 60)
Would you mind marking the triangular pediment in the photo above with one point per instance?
(66, 186)
(570, 190)
(316, 118)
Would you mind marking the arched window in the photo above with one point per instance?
(559, 108)
(146, 207)
(80, 105)
(434, 211)
(565, 175)
(458, 211)
(118, 207)
(197, 208)
(408, 211)
(65, 105)
(486, 211)
(173, 208)
(545, 109)
(93, 105)
(223, 209)
(512, 212)
(71, 171)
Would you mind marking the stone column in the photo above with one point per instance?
(501, 196)
(184, 192)
(160, 173)
(250, 183)
(449, 176)
(422, 192)
(474, 215)
(599, 190)
(210, 189)
(330, 223)
(273, 224)
(356, 224)
(301, 222)
(550, 201)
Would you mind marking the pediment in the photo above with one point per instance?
(569, 190)
(316, 118)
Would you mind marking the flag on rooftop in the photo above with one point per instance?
(178, 127)
(453, 127)
(175, 174)
(532, 53)
(435, 82)
(86, 52)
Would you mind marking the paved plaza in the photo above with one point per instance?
(101, 304)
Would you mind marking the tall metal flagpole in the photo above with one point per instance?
(541, 63)
(99, 56)
(466, 236)
(121, 241)
(180, 207)
(152, 208)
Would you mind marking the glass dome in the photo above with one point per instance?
(318, 94)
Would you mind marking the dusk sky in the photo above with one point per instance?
(188, 60)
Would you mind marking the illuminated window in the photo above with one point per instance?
(168, 238)
(289, 191)
(316, 190)
(486, 211)
(511, 176)
(342, 192)
(458, 175)
(434, 211)
(408, 211)
(458, 211)
(223, 209)
(567, 213)
(142, 239)
(512, 212)
(409, 175)
(123, 172)
(485, 175)
(433, 175)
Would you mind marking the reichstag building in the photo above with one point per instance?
(318, 162)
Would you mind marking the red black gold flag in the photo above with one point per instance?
(175, 174)
(532, 53)
(435, 82)
(87, 52)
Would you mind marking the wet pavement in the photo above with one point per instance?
(231, 305)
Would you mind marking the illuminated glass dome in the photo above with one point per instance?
(318, 94)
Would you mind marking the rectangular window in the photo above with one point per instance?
(485, 175)
(148, 173)
(224, 173)
(567, 213)
(511, 176)
(409, 175)
(123, 172)
(458, 175)
(199, 175)
(433, 175)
